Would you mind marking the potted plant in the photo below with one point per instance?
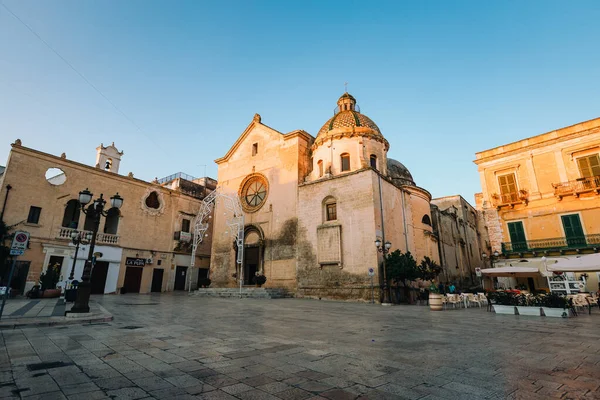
(49, 279)
(554, 305)
(528, 306)
(259, 279)
(504, 303)
(429, 272)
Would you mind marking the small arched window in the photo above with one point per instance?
(373, 159)
(71, 215)
(112, 221)
(426, 220)
(108, 164)
(345, 161)
(320, 166)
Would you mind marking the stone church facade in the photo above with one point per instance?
(314, 207)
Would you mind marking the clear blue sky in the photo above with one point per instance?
(442, 79)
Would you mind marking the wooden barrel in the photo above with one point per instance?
(435, 302)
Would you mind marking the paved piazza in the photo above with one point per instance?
(174, 346)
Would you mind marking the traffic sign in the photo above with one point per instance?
(371, 272)
(19, 242)
(17, 252)
(478, 272)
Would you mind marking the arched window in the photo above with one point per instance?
(112, 221)
(373, 161)
(71, 216)
(426, 220)
(320, 166)
(108, 164)
(345, 161)
(329, 209)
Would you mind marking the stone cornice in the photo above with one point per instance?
(543, 140)
(89, 169)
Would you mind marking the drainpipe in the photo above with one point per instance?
(8, 187)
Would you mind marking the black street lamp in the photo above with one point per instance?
(384, 249)
(94, 211)
(78, 238)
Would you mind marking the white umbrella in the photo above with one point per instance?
(511, 271)
(586, 263)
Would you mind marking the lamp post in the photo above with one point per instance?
(95, 211)
(494, 256)
(384, 250)
(78, 238)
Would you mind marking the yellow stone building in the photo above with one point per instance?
(143, 247)
(541, 198)
(314, 207)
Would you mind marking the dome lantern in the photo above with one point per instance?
(346, 102)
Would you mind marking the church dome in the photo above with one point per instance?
(348, 121)
(399, 174)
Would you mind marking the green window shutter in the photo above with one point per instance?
(517, 236)
(573, 230)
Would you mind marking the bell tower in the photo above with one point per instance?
(108, 158)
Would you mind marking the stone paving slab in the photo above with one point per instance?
(172, 346)
(40, 312)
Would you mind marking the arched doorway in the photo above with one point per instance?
(253, 253)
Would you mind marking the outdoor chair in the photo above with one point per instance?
(572, 308)
(482, 298)
(473, 298)
(454, 300)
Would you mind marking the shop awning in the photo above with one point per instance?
(511, 271)
(586, 263)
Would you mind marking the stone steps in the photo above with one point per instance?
(247, 292)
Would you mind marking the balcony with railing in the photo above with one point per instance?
(577, 187)
(553, 244)
(101, 238)
(510, 199)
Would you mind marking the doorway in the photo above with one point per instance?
(157, 278)
(98, 279)
(180, 275)
(531, 284)
(202, 275)
(133, 280)
(251, 259)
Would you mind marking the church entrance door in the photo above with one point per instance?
(251, 261)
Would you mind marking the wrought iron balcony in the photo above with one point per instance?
(552, 244)
(104, 238)
(577, 187)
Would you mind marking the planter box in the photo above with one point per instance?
(435, 302)
(525, 310)
(498, 309)
(555, 312)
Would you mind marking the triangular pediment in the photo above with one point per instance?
(256, 123)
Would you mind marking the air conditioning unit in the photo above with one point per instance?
(149, 260)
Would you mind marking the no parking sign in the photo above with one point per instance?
(19, 243)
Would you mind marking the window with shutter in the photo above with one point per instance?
(589, 166)
(508, 188)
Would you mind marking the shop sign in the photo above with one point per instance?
(135, 262)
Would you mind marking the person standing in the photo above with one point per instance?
(452, 288)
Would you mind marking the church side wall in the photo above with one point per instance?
(354, 195)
